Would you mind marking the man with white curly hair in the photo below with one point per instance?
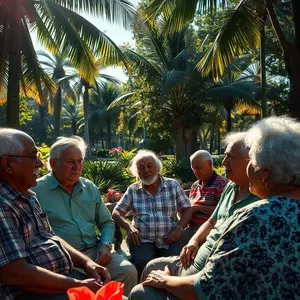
(74, 207)
(155, 201)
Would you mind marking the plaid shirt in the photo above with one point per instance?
(207, 195)
(154, 216)
(25, 232)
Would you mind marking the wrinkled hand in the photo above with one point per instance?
(158, 278)
(92, 284)
(174, 236)
(189, 252)
(134, 236)
(99, 273)
(104, 256)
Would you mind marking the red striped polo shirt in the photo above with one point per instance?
(208, 195)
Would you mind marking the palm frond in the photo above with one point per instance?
(121, 100)
(240, 31)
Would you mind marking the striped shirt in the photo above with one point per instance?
(207, 195)
(154, 216)
(25, 233)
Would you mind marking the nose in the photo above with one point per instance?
(76, 166)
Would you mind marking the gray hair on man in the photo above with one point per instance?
(140, 155)
(234, 138)
(10, 141)
(275, 145)
(62, 143)
(203, 154)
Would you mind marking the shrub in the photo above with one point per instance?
(106, 175)
(218, 160)
(43, 151)
(101, 152)
(179, 170)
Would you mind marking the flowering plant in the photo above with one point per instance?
(115, 151)
(112, 196)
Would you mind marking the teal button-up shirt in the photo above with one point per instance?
(74, 217)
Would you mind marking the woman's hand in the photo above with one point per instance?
(189, 252)
(158, 278)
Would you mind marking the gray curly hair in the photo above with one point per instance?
(275, 145)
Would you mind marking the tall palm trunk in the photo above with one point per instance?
(263, 77)
(57, 113)
(74, 127)
(86, 114)
(14, 75)
(42, 129)
(108, 125)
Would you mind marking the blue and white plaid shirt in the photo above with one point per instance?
(25, 232)
(154, 216)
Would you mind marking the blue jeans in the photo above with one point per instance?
(145, 252)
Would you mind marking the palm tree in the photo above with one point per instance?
(72, 115)
(61, 29)
(99, 114)
(240, 32)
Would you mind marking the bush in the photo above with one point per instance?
(106, 175)
(43, 151)
(100, 152)
(179, 170)
(218, 160)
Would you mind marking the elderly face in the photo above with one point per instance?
(235, 163)
(147, 170)
(258, 181)
(24, 167)
(68, 168)
(201, 168)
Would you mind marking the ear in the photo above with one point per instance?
(266, 174)
(5, 162)
(209, 163)
(52, 164)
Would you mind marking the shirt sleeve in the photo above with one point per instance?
(12, 245)
(125, 205)
(181, 198)
(104, 221)
(231, 271)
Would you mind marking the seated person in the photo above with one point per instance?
(205, 192)
(154, 201)
(34, 262)
(257, 256)
(74, 208)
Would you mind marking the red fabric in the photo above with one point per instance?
(111, 291)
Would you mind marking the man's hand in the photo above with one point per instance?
(189, 252)
(104, 256)
(157, 279)
(99, 273)
(92, 284)
(134, 236)
(174, 235)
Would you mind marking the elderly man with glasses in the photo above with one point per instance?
(34, 262)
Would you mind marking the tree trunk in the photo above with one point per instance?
(57, 113)
(86, 115)
(193, 142)
(180, 143)
(14, 75)
(108, 125)
(263, 77)
(42, 129)
(74, 127)
(229, 121)
(211, 146)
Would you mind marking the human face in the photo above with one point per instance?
(202, 168)
(68, 168)
(147, 170)
(24, 167)
(235, 162)
(257, 177)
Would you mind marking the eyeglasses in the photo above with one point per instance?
(34, 157)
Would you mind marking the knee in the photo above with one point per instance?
(138, 292)
(130, 270)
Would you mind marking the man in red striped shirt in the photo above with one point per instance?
(206, 191)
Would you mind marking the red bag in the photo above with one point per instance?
(111, 291)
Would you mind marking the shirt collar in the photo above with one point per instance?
(53, 183)
(210, 181)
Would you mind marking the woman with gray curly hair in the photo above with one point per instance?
(258, 255)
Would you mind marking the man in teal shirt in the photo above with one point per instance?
(193, 257)
(74, 208)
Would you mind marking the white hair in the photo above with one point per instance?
(140, 155)
(63, 143)
(10, 141)
(203, 154)
(275, 145)
(236, 138)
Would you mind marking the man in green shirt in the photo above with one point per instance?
(74, 208)
(193, 256)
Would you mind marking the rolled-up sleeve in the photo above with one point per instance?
(125, 205)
